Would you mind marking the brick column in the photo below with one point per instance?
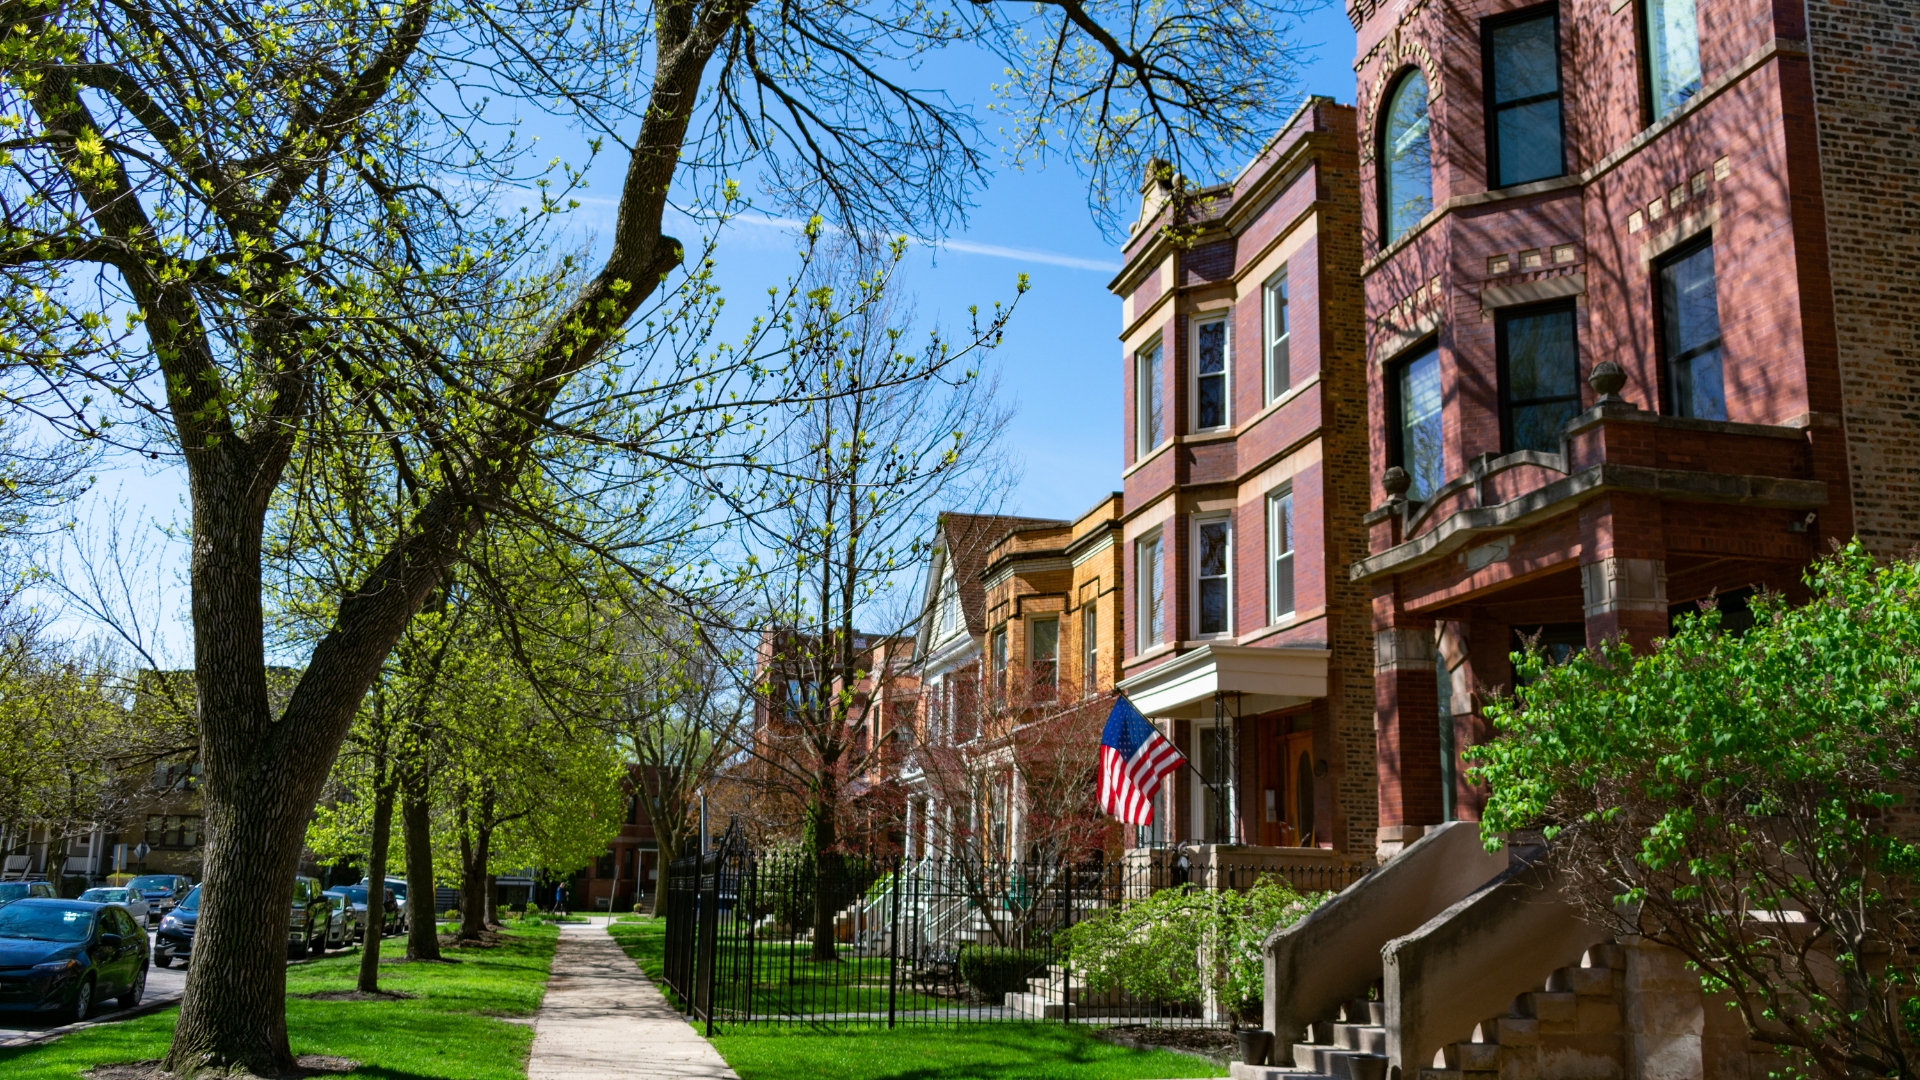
(1625, 598)
(1407, 731)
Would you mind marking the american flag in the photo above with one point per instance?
(1134, 759)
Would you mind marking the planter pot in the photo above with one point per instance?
(1255, 1045)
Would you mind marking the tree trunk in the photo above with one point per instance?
(377, 878)
(820, 839)
(473, 883)
(423, 936)
(669, 851)
(491, 899)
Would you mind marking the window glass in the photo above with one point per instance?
(1280, 544)
(1279, 376)
(1406, 192)
(999, 660)
(1210, 374)
(1211, 567)
(1152, 592)
(1673, 54)
(1524, 80)
(1044, 648)
(1690, 325)
(1153, 421)
(1540, 376)
(1420, 435)
(1090, 649)
(46, 923)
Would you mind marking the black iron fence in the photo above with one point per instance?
(756, 937)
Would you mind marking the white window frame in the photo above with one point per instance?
(1089, 649)
(1033, 640)
(1193, 578)
(1225, 375)
(1272, 343)
(1144, 586)
(1275, 613)
(1147, 390)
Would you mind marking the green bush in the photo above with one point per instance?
(1153, 950)
(994, 971)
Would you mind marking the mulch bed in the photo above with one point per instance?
(356, 995)
(306, 1065)
(1217, 1045)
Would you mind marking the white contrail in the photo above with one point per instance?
(967, 247)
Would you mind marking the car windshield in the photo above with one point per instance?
(161, 883)
(13, 890)
(105, 896)
(44, 922)
(355, 893)
(192, 901)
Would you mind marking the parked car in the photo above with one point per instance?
(175, 938)
(162, 890)
(398, 887)
(307, 919)
(130, 898)
(63, 956)
(390, 921)
(342, 925)
(21, 890)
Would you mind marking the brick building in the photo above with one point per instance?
(1245, 479)
(1604, 340)
(628, 872)
(1015, 607)
(1639, 331)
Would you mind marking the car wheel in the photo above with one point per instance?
(318, 946)
(132, 997)
(82, 1004)
(164, 959)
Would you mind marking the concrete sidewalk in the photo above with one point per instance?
(603, 1020)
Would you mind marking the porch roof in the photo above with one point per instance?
(1265, 678)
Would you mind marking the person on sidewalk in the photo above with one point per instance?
(560, 900)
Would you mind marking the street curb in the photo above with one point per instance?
(142, 1009)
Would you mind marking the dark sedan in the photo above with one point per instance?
(60, 957)
(175, 939)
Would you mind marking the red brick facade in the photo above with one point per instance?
(1293, 214)
(1784, 164)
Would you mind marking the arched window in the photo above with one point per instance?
(1406, 158)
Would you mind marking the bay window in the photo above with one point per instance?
(1213, 577)
(1210, 374)
(1690, 332)
(1521, 57)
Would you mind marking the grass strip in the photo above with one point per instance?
(450, 1030)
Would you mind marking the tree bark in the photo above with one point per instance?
(376, 879)
(491, 899)
(668, 852)
(820, 839)
(473, 882)
(423, 935)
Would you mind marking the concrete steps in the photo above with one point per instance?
(1569, 1029)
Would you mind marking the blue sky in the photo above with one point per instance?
(1059, 367)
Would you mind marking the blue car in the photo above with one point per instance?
(175, 939)
(60, 957)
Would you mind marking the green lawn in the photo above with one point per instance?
(978, 1052)
(785, 982)
(447, 1032)
(998, 1051)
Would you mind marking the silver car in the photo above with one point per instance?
(120, 896)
